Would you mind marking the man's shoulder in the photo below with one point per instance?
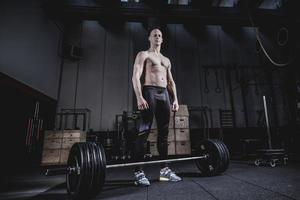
(166, 59)
(142, 54)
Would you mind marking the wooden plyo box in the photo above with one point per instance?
(183, 148)
(154, 151)
(57, 144)
(174, 148)
(153, 135)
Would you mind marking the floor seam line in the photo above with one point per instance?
(205, 190)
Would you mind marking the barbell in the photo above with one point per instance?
(86, 165)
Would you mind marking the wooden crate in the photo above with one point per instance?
(183, 148)
(182, 134)
(64, 154)
(57, 144)
(61, 143)
(51, 156)
(154, 151)
(181, 122)
(55, 156)
(67, 143)
(174, 148)
(74, 134)
(54, 134)
(53, 143)
(153, 135)
(182, 113)
(154, 124)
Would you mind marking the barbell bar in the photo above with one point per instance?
(86, 166)
(65, 170)
(154, 162)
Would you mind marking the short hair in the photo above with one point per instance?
(152, 28)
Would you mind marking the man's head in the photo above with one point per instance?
(155, 37)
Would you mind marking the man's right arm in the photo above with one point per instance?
(137, 73)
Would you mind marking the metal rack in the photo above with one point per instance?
(270, 155)
(73, 115)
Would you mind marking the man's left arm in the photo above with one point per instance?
(172, 88)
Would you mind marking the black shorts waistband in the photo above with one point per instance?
(153, 87)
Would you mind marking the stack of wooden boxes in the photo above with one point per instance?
(57, 144)
(179, 134)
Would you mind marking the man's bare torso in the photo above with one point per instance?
(156, 67)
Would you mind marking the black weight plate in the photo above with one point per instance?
(88, 166)
(97, 174)
(209, 166)
(91, 167)
(73, 179)
(222, 156)
(97, 169)
(227, 156)
(76, 181)
(203, 167)
(85, 170)
(103, 165)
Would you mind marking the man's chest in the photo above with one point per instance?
(158, 61)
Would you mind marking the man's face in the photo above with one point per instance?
(155, 37)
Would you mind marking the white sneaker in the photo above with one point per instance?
(167, 175)
(140, 179)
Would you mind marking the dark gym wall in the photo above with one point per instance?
(20, 121)
(103, 76)
(29, 73)
(29, 44)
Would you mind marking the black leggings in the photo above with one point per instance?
(159, 106)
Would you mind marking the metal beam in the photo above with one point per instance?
(172, 14)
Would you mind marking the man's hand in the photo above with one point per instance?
(175, 106)
(142, 104)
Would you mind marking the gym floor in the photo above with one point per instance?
(241, 181)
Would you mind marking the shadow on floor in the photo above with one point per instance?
(57, 192)
(111, 188)
(189, 174)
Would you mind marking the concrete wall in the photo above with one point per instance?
(102, 80)
(29, 45)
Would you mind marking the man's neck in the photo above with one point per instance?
(155, 49)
